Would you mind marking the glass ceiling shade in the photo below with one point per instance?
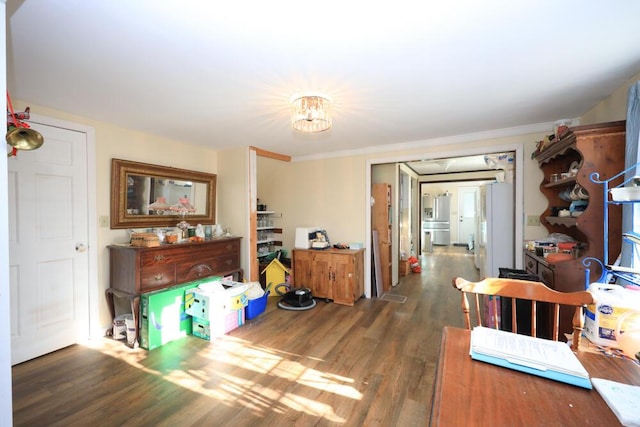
(311, 113)
(183, 206)
(160, 205)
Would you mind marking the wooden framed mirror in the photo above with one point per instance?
(146, 195)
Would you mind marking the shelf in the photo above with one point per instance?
(561, 183)
(267, 254)
(274, 241)
(555, 149)
(566, 221)
(274, 229)
(628, 274)
(629, 277)
(268, 238)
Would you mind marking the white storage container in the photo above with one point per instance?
(625, 194)
(601, 319)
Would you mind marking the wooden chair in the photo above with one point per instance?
(524, 290)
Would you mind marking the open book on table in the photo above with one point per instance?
(537, 356)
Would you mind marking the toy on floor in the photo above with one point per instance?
(414, 264)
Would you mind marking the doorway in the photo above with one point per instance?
(467, 215)
(51, 255)
(517, 171)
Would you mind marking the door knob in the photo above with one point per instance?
(80, 247)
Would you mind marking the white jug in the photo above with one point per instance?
(629, 339)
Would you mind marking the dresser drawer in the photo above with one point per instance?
(228, 262)
(165, 256)
(546, 275)
(196, 269)
(232, 246)
(180, 254)
(531, 265)
(156, 277)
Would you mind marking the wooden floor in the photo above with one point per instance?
(372, 364)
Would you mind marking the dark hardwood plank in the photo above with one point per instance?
(372, 364)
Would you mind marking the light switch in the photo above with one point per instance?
(533, 220)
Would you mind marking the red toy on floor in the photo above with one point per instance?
(414, 264)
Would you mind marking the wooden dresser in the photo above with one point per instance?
(135, 270)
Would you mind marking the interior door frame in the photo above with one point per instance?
(456, 151)
(253, 271)
(94, 329)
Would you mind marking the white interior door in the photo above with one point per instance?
(466, 213)
(48, 222)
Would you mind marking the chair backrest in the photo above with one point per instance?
(524, 290)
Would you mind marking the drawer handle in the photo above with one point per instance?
(200, 270)
(229, 247)
(158, 277)
(228, 262)
(158, 257)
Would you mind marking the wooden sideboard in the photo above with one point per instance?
(333, 274)
(135, 270)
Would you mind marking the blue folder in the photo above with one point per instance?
(530, 368)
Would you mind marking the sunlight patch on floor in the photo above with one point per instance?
(224, 385)
(312, 407)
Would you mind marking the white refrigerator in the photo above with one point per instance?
(495, 245)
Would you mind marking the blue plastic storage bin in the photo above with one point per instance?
(256, 306)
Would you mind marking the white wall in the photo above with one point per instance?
(233, 196)
(611, 108)
(115, 142)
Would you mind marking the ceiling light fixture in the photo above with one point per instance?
(311, 113)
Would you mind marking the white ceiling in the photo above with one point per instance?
(457, 164)
(221, 73)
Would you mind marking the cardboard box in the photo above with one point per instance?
(404, 267)
(163, 317)
(201, 328)
(147, 240)
(202, 304)
(219, 324)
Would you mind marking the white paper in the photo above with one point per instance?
(211, 287)
(623, 399)
(529, 351)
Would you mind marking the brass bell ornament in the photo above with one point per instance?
(24, 138)
(19, 135)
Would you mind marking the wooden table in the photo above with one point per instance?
(470, 392)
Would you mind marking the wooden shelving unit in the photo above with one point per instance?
(597, 149)
(268, 236)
